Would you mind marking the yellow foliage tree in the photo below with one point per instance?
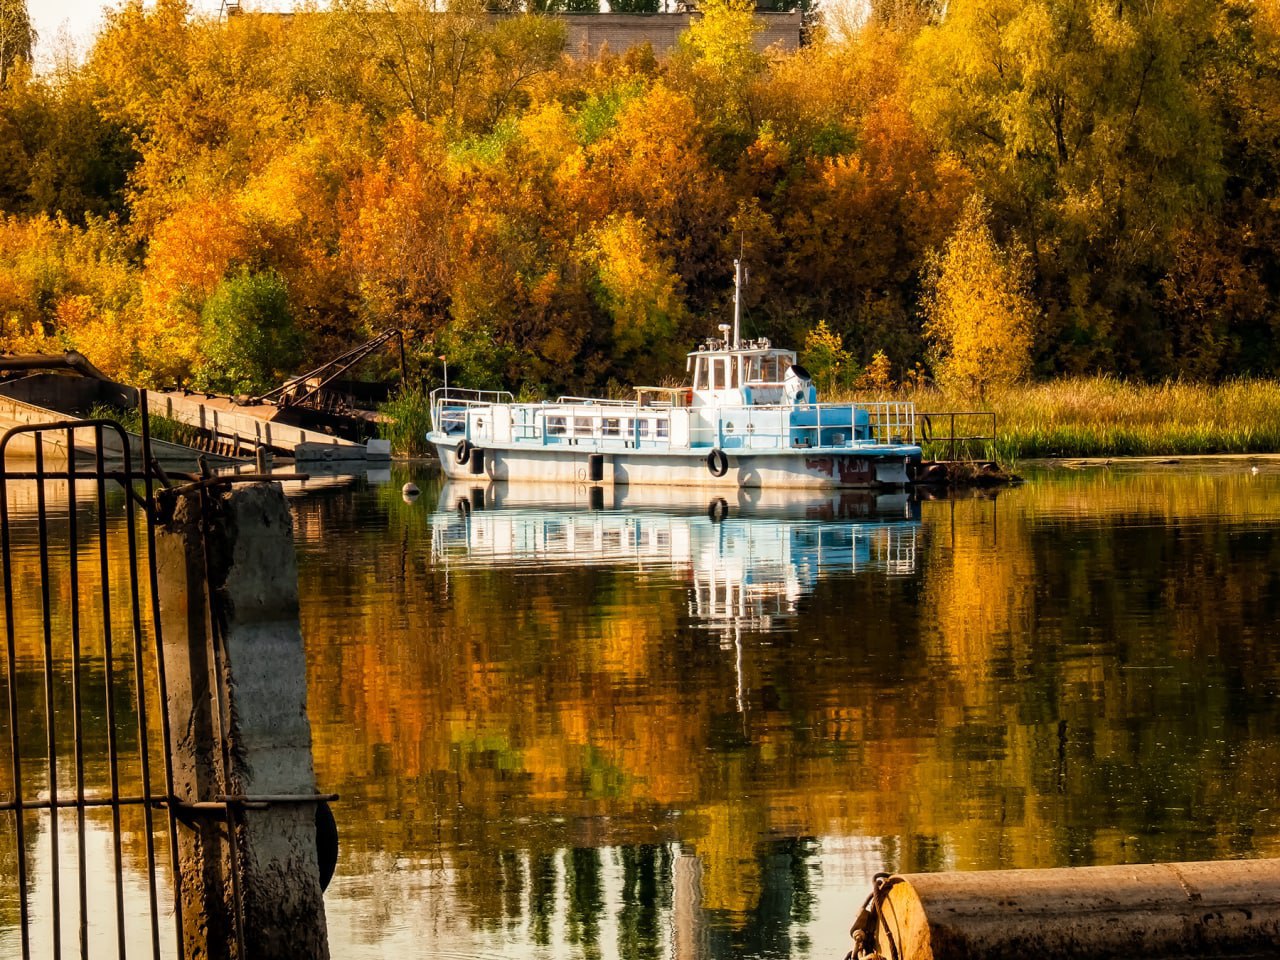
(640, 290)
(979, 310)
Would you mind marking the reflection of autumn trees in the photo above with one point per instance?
(1079, 671)
(1108, 686)
(1076, 674)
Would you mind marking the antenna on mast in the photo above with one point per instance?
(738, 283)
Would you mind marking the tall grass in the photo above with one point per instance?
(1107, 417)
(162, 428)
(407, 421)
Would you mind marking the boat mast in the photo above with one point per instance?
(737, 303)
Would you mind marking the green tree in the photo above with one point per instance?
(979, 307)
(634, 6)
(825, 357)
(16, 36)
(1090, 128)
(248, 338)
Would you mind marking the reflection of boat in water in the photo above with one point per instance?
(749, 417)
(747, 564)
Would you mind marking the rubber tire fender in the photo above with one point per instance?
(926, 428)
(462, 453)
(717, 462)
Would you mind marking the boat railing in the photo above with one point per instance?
(449, 405)
(596, 401)
(816, 425)
(607, 423)
(626, 425)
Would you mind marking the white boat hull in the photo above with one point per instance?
(785, 469)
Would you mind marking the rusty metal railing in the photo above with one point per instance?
(952, 430)
(116, 612)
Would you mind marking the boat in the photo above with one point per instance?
(748, 416)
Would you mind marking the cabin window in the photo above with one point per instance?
(642, 429)
(611, 426)
(582, 426)
(717, 374)
(555, 426)
(664, 429)
(700, 374)
(765, 370)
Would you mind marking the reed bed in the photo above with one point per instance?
(407, 420)
(1108, 417)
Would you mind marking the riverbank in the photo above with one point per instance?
(1073, 417)
(1106, 417)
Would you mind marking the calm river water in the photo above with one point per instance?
(656, 725)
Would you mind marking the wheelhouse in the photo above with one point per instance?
(751, 374)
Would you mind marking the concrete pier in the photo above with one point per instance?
(252, 427)
(1154, 911)
(237, 708)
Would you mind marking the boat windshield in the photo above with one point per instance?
(768, 369)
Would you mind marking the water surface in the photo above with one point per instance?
(658, 724)
(654, 724)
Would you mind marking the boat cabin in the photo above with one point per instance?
(751, 374)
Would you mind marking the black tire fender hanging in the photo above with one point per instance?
(717, 462)
(926, 428)
(462, 453)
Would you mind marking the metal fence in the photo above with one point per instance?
(958, 434)
(80, 606)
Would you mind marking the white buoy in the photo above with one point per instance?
(410, 492)
(1253, 470)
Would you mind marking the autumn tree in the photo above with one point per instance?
(16, 36)
(718, 56)
(640, 290)
(1090, 130)
(978, 304)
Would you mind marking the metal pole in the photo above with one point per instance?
(77, 706)
(109, 681)
(50, 713)
(11, 668)
(737, 303)
(166, 734)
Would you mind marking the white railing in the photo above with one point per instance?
(489, 416)
(449, 406)
(816, 425)
(602, 424)
(597, 401)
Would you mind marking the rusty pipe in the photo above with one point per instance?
(1154, 911)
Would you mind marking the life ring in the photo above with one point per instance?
(717, 462)
(462, 453)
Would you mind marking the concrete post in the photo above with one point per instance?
(252, 576)
(1225, 908)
